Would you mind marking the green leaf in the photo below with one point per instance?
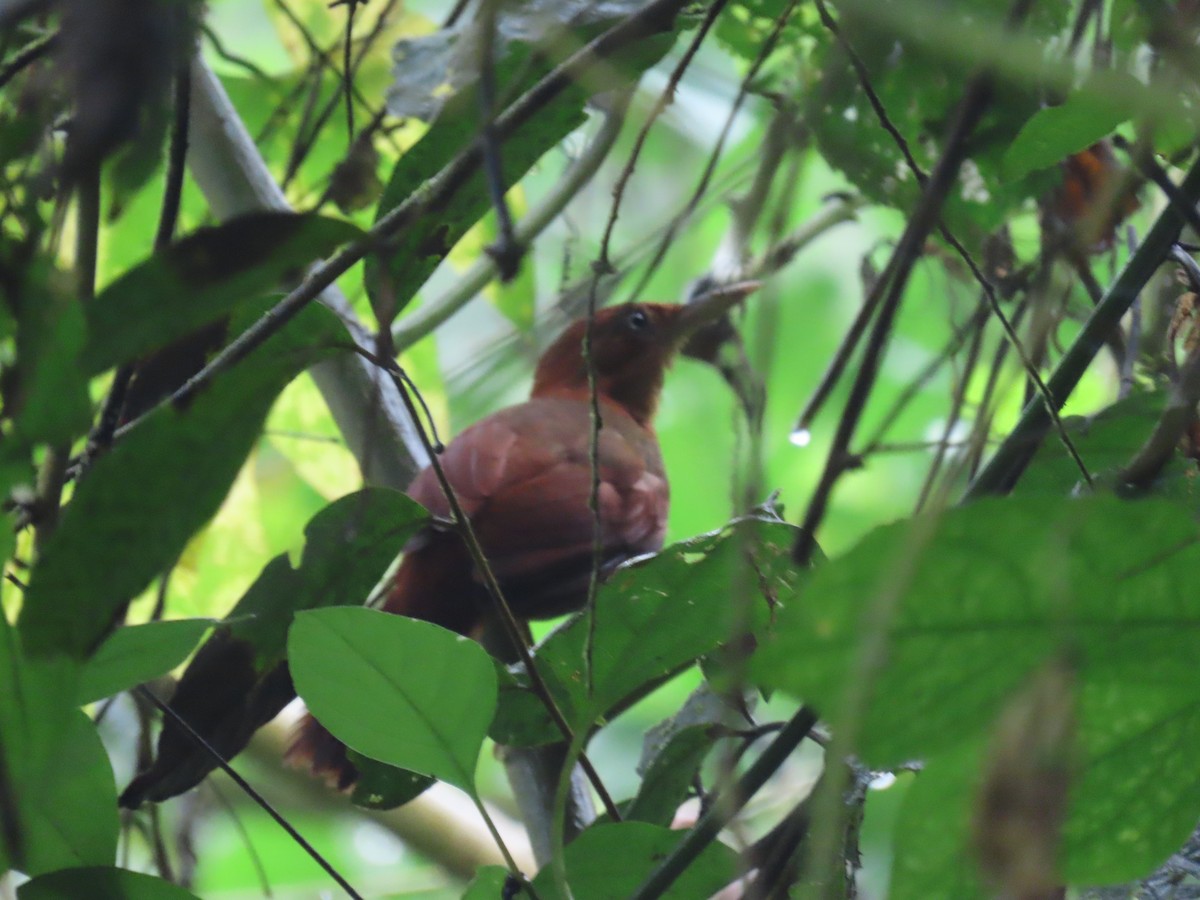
(653, 618)
(608, 862)
(1135, 795)
(422, 246)
(918, 59)
(137, 653)
(402, 691)
(488, 884)
(981, 597)
(1117, 828)
(52, 404)
(202, 278)
(131, 517)
(238, 680)
(57, 798)
(673, 752)
(666, 782)
(101, 883)
(1106, 442)
(978, 600)
(67, 799)
(933, 852)
(1054, 133)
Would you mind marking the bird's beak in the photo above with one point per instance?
(711, 306)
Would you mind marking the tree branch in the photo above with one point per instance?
(235, 180)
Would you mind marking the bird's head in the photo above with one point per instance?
(632, 345)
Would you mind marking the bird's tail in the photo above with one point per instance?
(434, 584)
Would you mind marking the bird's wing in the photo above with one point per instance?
(524, 478)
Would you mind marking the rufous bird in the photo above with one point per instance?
(523, 477)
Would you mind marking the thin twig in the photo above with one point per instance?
(765, 50)
(506, 252)
(199, 741)
(969, 330)
(229, 56)
(952, 419)
(30, 53)
(347, 73)
(113, 409)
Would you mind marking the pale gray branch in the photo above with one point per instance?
(235, 180)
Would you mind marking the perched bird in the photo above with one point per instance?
(523, 477)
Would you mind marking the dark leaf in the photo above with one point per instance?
(203, 278)
(131, 517)
(380, 786)
(979, 600)
(239, 680)
(673, 752)
(101, 883)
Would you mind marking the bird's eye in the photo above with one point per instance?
(637, 320)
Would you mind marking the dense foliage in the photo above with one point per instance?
(924, 624)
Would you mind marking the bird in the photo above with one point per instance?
(523, 476)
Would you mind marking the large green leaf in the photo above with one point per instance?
(51, 403)
(69, 810)
(202, 278)
(137, 653)
(239, 680)
(399, 690)
(933, 852)
(653, 618)
(1106, 442)
(608, 862)
(1054, 133)
(135, 510)
(57, 798)
(972, 604)
(101, 883)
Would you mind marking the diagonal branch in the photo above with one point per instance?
(235, 179)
